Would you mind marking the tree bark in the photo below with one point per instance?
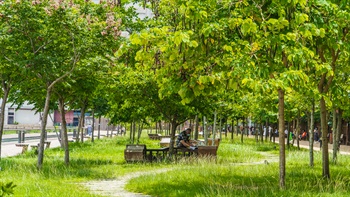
(232, 128)
(205, 132)
(81, 126)
(93, 127)
(174, 125)
(43, 130)
(297, 129)
(282, 162)
(6, 88)
(214, 130)
(336, 134)
(242, 130)
(131, 131)
(324, 130)
(311, 138)
(196, 128)
(64, 135)
(99, 125)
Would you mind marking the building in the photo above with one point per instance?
(23, 116)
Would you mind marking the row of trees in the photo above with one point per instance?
(251, 56)
(255, 59)
(55, 54)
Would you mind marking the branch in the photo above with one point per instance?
(74, 62)
(40, 46)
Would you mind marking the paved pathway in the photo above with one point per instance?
(115, 187)
(344, 149)
(8, 148)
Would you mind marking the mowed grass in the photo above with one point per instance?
(239, 170)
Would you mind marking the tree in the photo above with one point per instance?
(333, 19)
(55, 39)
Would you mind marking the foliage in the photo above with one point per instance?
(6, 188)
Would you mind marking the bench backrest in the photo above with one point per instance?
(216, 142)
(154, 136)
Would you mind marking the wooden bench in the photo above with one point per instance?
(156, 154)
(184, 152)
(35, 146)
(24, 147)
(216, 142)
(165, 142)
(207, 151)
(154, 136)
(135, 153)
(48, 143)
(69, 140)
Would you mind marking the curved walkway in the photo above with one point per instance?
(115, 188)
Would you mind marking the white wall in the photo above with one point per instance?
(25, 116)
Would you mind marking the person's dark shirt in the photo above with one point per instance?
(182, 136)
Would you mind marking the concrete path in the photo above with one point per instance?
(115, 187)
(344, 149)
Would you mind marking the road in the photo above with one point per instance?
(8, 147)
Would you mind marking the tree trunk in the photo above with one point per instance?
(43, 130)
(232, 128)
(205, 132)
(6, 88)
(257, 135)
(93, 127)
(131, 140)
(133, 131)
(220, 128)
(324, 130)
(174, 125)
(214, 130)
(64, 134)
(336, 134)
(242, 130)
(282, 163)
(139, 131)
(261, 131)
(311, 139)
(196, 128)
(81, 126)
(288, 131)
(297, 134)
(267, 134)
(99, 125)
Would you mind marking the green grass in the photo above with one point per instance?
(238, 171)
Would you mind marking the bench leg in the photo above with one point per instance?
(24, 149)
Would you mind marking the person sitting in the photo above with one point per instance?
(184, 141)
(303, 135)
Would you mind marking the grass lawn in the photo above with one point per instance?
(239, 170)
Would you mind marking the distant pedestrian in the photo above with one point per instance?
(316, 135)
(89, 130)
(286, 133)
